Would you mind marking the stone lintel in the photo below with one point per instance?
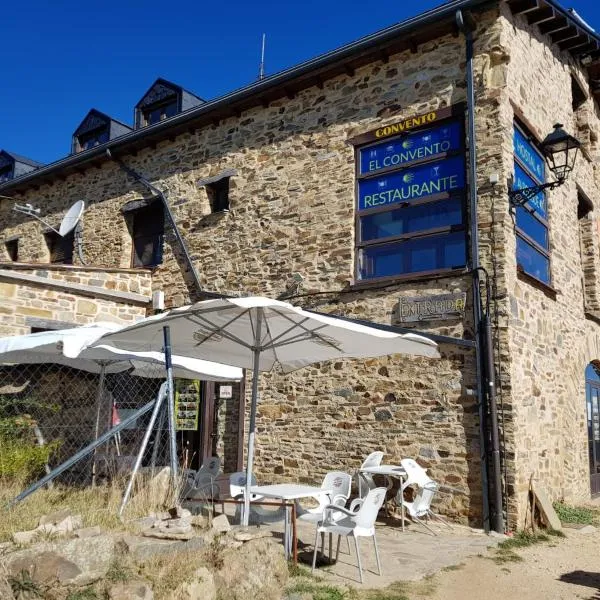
(84, 290)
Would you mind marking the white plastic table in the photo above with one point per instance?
(390, 471)
(287, 493)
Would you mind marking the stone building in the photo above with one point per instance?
(345, 185)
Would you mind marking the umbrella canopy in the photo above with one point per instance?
(69, 347)
(224, 330)
(259, 332)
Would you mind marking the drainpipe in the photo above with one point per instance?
(188, 259)
(484, 359)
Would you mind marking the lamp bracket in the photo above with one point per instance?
(524, 195)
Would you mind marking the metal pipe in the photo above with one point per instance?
(138, 461)
(466, 29)
(171, 219)
(81, 454)
(250, 459)
(99, 395)
(157, 439)
(171, 405)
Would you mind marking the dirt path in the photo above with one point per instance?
(562, 569)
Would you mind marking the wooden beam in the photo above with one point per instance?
(349, 70)
(265, 103)
(540, 16)
(519, 7)
(384, 57)
(414, 46)
(565, 34)
(553, 25)
(319, 83)
(289, 93)
(581, 40)
(586, 49)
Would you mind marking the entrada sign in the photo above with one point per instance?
(430, 308)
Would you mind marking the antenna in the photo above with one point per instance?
(261, 68)
(68, 223)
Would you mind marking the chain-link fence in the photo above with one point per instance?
(49, 412)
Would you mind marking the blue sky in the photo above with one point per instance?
(63, 57)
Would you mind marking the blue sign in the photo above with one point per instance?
(530, 157)
(419, 145)
(538, 202)
(446, 175)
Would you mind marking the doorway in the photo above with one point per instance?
(592, 394)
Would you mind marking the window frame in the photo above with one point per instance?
(544, 221)
(93, 134)
(160, 105)
(55, 240)
(7, 173)
(454, 117)
(161, 236)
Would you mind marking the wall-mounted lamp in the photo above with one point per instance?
(560, 151)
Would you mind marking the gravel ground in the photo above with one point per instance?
(561, 569)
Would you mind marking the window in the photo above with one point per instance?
(12, 249)
(92, 139)
(533, 242)
(6, 173)
(218, 195)
(159, 113)
(410, 211)
(147, 235)
(60, 248)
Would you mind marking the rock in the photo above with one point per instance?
(55, 517)
(221, 524)
(170, 534)
(257, 570)
(251, 533)
(70, 523)
(182, 522)
(132, 590)
(45, 568)
(201, 587)
(74, 562)
(23, 538)
(588, 529)
(143, 548)
(143, 523)
(87, 532)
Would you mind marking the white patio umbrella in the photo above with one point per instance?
(256, 333)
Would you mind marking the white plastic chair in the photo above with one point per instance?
(426, 488)
(339, 483)
(203, 484)
(258, 514)
(365, 480)
(359, 524)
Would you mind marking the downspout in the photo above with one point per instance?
(188, 259)
(482, 361)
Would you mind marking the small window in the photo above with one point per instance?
(60, 248)
(160, 113)
(578, 95)
(218, 195)
(6, 173)
(12, 249)
(92, 139)
(147, 234)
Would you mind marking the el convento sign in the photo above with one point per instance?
(416, 165)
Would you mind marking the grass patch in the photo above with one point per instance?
(86, 594)
(453, 567)
(505, 552)
(23, 586)
(505, 555)
(581, 515)
(321, 592)
(120, 570)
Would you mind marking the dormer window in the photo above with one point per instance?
(6, 173)
(160, 113)
(96, 129)
(162, 101)
(12, 165)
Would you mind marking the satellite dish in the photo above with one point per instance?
(71, 219)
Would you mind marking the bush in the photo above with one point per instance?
(575, 514)
(21, 458)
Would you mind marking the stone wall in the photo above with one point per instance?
(48, 299)
(544, 337)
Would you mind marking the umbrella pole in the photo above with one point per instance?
(252, 426)
(140, 456)
(171, 405)
(99, 395)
